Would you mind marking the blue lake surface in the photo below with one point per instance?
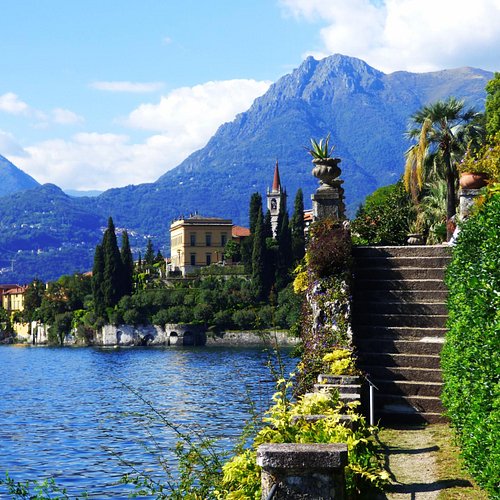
(75, 414)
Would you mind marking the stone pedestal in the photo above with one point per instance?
(467, 199)
(328, 201)
(303, 471)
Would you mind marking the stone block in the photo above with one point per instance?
(303, 471)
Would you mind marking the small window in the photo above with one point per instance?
(193, 259)
(208, 239)
(223, 239)
(209, 259)
(192, 239)
(274, 204)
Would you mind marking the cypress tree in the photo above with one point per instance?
(268, 228)
(247, 244)
(284, 255)
(255, 210)
(149, 256)
(128, 265)
(112, 282)
(297, 228)
(97, 281)
(258, 259)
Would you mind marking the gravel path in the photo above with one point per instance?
(412, 464)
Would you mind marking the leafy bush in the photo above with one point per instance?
(364, 473)
(385, 217)
(470, 357)
(329, 249)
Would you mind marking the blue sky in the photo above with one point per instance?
(98, 94)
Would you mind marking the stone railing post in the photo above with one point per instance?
(467, 199)
(302, 471)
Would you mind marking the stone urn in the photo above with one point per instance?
(470, 180)
(327, 170)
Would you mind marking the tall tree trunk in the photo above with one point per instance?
(450, 188)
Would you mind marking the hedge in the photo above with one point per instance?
(471, 354)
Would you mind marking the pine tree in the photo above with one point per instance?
(258, 259)
(97, 281)
(297, 228)
(112, 282)
(127, 264)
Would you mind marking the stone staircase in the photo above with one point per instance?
(399, 318)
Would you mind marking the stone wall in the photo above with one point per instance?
(236, 338)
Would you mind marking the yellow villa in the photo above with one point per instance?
(198, 241)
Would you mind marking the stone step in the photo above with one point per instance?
(402, 251)
(351, 380)
(342, 388)
(411, 374)
(423, 346)
(413, 320)
(396, 332)
(401, 273)
(392, 418)
(397, 262)
(398, 284)
(401, 360)
(346, 397)
(408, 388)
(412, 308)
(428, 296)
(408, 404)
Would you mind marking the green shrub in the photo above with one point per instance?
(364, 473)
(470, 357)
(329, 249)
(385, 217)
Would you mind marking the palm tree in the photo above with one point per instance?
(443, 130)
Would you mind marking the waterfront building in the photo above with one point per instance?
(198, 241)
(12, 297)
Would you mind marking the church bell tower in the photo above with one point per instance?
(276, 196)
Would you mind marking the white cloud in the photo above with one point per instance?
(181, 123)
(9, 146)
(414, 35)
(10, 103)
(65, 117)
(197, 111)
(136, 87)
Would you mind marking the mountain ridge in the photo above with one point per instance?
(365, 110)
(13, 179)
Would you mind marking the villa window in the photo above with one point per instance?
(193, 259)
(192, 239)
(223, 239)
(209, 259)
(208, 239)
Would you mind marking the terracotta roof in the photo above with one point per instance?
(14, 291)
(308, 215)
(240, 232)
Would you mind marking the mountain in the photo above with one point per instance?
(13, 179)
(366, 112)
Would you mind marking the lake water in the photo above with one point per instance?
(74, 414)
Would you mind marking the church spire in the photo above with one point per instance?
(276, 199)
(276, 181)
